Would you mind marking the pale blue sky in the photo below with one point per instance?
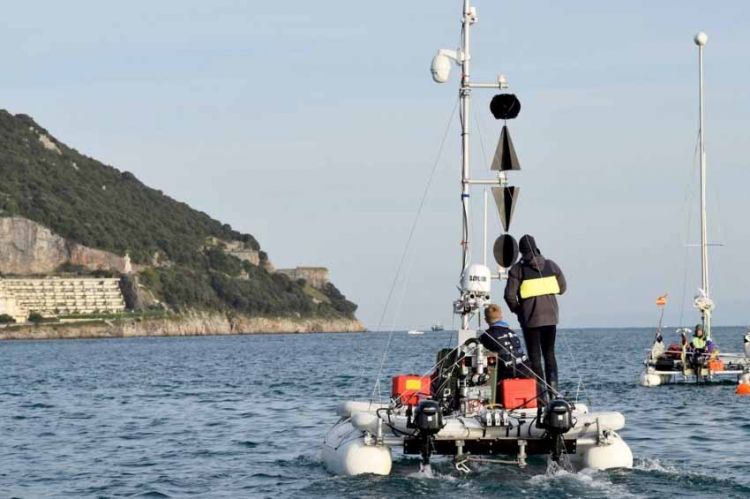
(314, 125)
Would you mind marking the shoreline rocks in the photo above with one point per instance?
(189, 324)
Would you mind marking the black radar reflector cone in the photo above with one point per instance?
(505, 250)
(505, 106)
(505, 155)
(505, 199)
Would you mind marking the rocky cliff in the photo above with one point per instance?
(27, 247)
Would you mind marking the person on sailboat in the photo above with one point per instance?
(698, 348)
(533, 283)
(500, 338)
(658, 348)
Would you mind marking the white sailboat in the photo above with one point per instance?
(696, 359)
(457, 408)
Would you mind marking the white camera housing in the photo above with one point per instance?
(442, 62)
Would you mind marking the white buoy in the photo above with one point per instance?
(346, 452)
(615, 453)
(650, 379)
(356, 458)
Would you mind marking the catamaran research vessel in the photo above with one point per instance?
(459, 408)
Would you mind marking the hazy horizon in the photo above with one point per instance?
(314, 127)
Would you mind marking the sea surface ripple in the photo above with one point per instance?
(244, 416)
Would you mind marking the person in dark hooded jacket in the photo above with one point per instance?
(533, 283)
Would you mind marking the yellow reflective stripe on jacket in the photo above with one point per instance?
(539, 286)
(698, 342)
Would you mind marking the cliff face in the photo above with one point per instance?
(194, 324)
(27, 247)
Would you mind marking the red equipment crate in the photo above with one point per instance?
(516, 393)
(410, 388)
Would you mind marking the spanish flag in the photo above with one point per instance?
(661, 301)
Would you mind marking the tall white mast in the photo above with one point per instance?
(475, 284)
(700, 40)
(468, 18)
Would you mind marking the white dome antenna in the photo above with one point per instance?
(701, 39)
(476, 283)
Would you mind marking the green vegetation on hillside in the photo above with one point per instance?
(95, 204)
(101, 207)
(250, 290)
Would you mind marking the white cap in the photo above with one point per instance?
(700, 39)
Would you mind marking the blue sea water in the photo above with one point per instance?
(244, 416)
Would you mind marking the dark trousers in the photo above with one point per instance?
(540, 343)
(697, 360)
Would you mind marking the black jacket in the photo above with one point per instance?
(536, 311)
(507, 345)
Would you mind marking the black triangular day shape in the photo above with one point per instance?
(505, 155)
(505, 199)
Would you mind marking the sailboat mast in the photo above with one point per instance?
(700, 41)
(465, 104)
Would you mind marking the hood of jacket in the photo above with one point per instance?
(530, 252)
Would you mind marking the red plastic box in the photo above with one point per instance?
(410, 388)
(517, 393)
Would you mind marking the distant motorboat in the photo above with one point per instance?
(414, 332)
(437, 327)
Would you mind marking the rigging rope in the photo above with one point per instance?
(688, 199)
(426, 190)
(581, 385)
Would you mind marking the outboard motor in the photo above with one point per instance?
(558, 420)
(428, 421)
(428, 418)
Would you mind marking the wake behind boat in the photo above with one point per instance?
(697, 358)
(461, 408)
